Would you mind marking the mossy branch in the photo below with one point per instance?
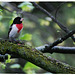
(36, 57)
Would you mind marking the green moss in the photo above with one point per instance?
(36, 57)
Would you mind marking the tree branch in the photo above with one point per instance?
(56, 49)
(60, 40)
(58, 7)
(51, 49)
(35, 57)
(5, 8)
(64, 28)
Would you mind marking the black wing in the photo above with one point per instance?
(9, 30)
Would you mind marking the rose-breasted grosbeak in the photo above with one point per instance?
(15, 29)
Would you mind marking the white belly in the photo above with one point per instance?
(14, 32)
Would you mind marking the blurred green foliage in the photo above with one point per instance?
(2, 65)
(26, 36)
(30, 68)
(38, 30)
(44, 22)
(8, 60)
(0, 11)
(26, 6)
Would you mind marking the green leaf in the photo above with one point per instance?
(9, 56)
(8, 60)
(3, 65)
(30, 66)
(25, 3)
(1, 10)
(27, 37)
(11, 21)
(74, 43)
(26, 6)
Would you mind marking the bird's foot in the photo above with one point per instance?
(19, 42)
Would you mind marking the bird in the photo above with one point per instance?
(15, 29)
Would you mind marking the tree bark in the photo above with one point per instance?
(36, 57)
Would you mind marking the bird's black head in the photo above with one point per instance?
(18, 20)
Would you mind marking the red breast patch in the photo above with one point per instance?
(19, 26)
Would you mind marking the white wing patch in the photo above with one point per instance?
(13, 33)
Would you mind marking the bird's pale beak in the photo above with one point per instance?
(21, 19)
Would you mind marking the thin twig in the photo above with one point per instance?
(6, 8)
(60, 40)
(58, 49)
(64, 28)
(58, 9)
